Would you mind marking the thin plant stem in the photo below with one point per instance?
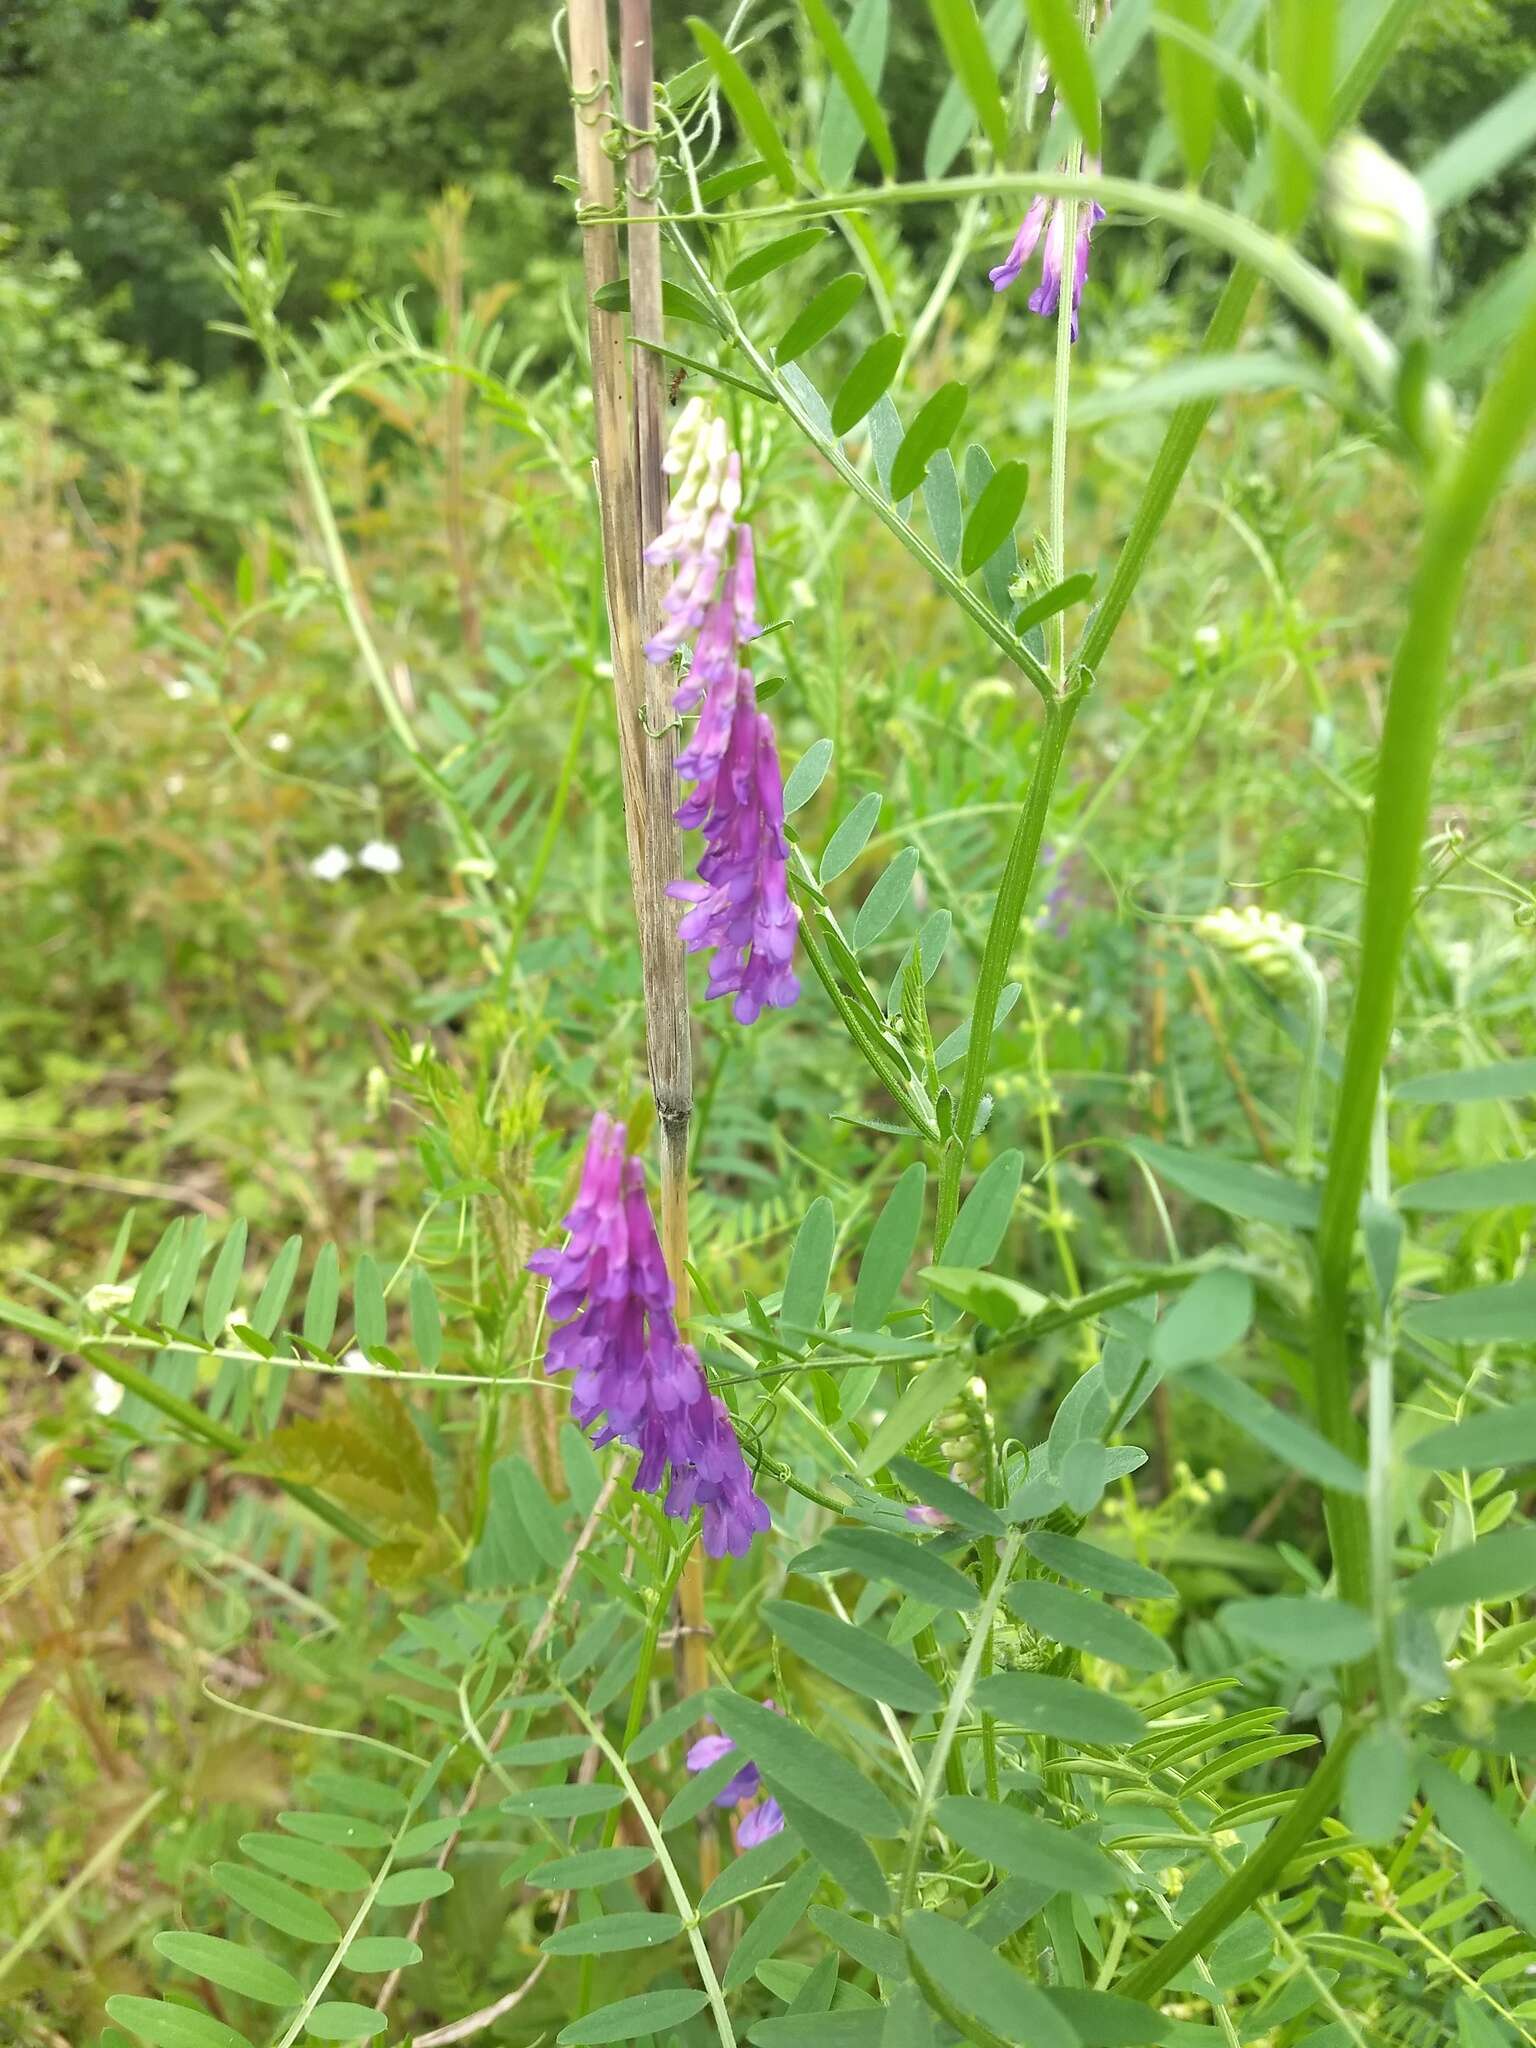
(1002, 932)
(959, 1699)
(1459, 506)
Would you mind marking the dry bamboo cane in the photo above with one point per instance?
(632, 499)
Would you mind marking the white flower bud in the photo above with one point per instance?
(1377, 208)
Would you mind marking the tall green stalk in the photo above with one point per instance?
(1459, 503)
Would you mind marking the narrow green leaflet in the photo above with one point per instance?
(845, 70)
(307, 1862)
(1189, 84)
(820, 2029)
(939, 1491)
(842, 135)
(1499, 1438)
(848, 841)
(171, 2026)
(1208, 1320)
(926, 1394)
(273, 1299)
(1309, 1634)
(1252, 1192)
(1303, 49)
(1378, 1784)
(370, 1313)
(867, 382)
(1479, 153)
(374, 1952)
(1482, 1315)
(855, 1657)
(1012, 1839)
(1069, 591)
(677, 302)
(772, 1926)
(1507, 1081)
(841, 1851)
(1062, 1707)
(1508, 1184)
(224, 1281)
(808, 1766)
(590, 1867)
(941, 500)
(564, 1802)
(756, 122)
(1497, 1567)
(1070, 1558)
(886, 900)
(984, 1216)
(426, 1321)
(747, 1873)
(972, 63)
(1106, 2021)
(877, 1951)
(275, 1903)
(1000, 568)
(613, 1934)
(631, 2019)
(1500, 1858)
(810, 1268)
(899, 1560)
(806, 777)
(994, 515)
(410, 1887)
(1302, 1447)
(340, 2019)
(1056, 25)
(762, 262)
(1081, 1623)
(971, 1986)
(934, 428)
(155, 1272)
(814, 322)
(321, 1301)
(183, 1272)
(233, 1966)
(1002, 25)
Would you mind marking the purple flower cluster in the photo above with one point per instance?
(761, 1822)
(1046, 296)
(634, 1376)
(739, 906)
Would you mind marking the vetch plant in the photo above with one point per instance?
(1021, 1753)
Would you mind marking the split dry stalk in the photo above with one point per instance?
(632, 499)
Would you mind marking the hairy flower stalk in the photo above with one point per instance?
(634, 1379)
(740, 910)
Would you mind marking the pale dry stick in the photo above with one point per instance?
(541, 1634)
(632, 499)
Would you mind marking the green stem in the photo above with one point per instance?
(1061, 404)
(959, 1699)
(1002, 932)
(1459, 506)
(1250, 1881)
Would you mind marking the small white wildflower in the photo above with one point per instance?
(107, 1294)
(177, 688)
(175, 784)
(1378, 208)
(379, 855)
(280, 742)
(331, 865)
(106, 1394)
(356, 1361)
(1208, 638)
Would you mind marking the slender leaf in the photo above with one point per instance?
(815, 321)
(899, 1560)
(855, 1657)
(745, 103)
(867, 382)
(233, 1966)
(890, 1248)
(1497, 1567)
(809, 1767)
(1302, 1447)
(842, 135)
(1508, 1184)
(1306, 1633)
(994, 515)
(968, 1984)
(1189, 85)
(845, 70)
(805, 778)
(630, 2019)
(1082, 1623)
(886, 900)
(1062, 1707)
(810, 1267)
(171, 2026)
(1500, 1859)
(321, 1301)
(934, 428)
(771, 256)
(275, 1903)
(1061, 38)
(224, 1281)
(972, 63)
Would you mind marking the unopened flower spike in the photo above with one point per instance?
(634, 1379)
(739, 908)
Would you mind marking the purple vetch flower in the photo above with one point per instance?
(765, 1820)
(1051, 215)
(925, 1517)
(739, 907)
(634, 1379)
(762, 1821)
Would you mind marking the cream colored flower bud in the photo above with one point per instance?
(1377, 208)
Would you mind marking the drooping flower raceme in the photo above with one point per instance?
(634, 1379)
(760, 1822)
(739, 908)
(1050, 215)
